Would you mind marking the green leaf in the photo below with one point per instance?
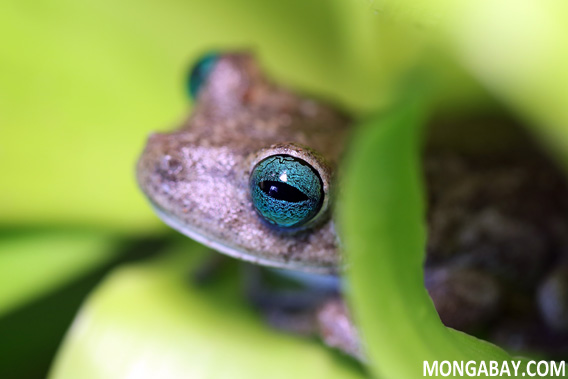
(34, 264)
(150, 321)
(383, 225)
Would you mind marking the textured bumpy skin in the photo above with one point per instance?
(496, 254)
(197, 178)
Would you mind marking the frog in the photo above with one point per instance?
(251, 174)
(254, 173)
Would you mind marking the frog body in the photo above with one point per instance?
(252, 173)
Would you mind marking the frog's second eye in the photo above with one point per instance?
(286, 191)
(200, 72)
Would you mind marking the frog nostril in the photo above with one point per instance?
(169, 168)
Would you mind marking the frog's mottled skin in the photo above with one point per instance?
(197, 177)
(497, 248)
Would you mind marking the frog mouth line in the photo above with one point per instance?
(226, 249)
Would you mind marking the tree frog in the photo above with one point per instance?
(252, 173)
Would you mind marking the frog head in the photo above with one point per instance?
(251, 173)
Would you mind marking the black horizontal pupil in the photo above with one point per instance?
(282, 191)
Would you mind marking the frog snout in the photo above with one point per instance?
(156, 166)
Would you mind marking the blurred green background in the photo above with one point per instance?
(83, 83)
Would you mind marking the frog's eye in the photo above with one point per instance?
(200, 72)
(286, 191)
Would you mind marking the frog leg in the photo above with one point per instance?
(315, 310)
(265, 296)
(291, 310)
(336, 328)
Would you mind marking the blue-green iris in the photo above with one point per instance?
(286, 191)
(200, 72)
